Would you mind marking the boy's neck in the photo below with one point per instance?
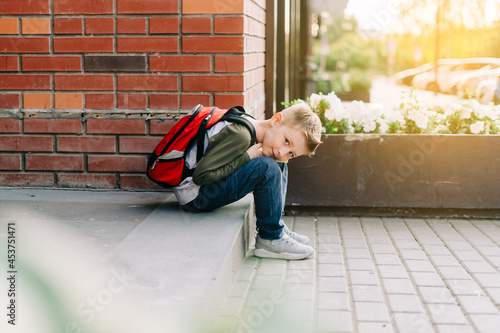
(261, 126)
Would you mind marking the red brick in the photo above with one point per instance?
(142, 182)
(27, 179)
(229, 25)
(25, 143)
(9, 125)
(190, 101)
(196, 25)
(24, 45)
(179, 63)
(132, 101)
(9, 63)
(213, 7)
(8, 101)
(213, 44)
(10, 162)
(83, 44)
(227, 101)
(147, 82)
(131, 25)
(116, 126)
(113, 163)
(147, 6)
(68, 25)
(83, 7)
(94, 181)
(84, 82)
(148, 44)
(100, 101)
(25, 7)
(212, 83)
(52, 125)
(24, 82)
(160, 126)
(229, 64)
(164, 25)
(129, 144)
(51, 162)
(100, 25)
(86, 144)
(163, 101)
(52, 64)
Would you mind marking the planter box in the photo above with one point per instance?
(399, 171)
(363, 96)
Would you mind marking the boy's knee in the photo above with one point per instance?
(268, 165)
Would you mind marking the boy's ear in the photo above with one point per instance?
(277, 117)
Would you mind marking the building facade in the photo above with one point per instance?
(88, 87)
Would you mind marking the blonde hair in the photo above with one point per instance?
(301, 116)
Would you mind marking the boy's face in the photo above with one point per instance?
(283, 142)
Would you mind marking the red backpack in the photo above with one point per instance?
(166, 166)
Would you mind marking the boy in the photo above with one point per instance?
(230, 169)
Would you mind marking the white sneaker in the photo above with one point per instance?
(299, 238)
(281, 248)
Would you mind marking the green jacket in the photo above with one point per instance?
(225, 153)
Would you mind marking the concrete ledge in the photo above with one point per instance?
(185, 260)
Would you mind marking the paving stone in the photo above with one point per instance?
(488, 280)
(399, 286)
(436, 250)
(446, 314)
(272, 267)
(477, 304)
(465, 287)
(387, 259)
(360, 264)
(267, 282)
(405, 303)
(479, 267)
(329, 248)
(239, 289)
(370, 311)
(383, 248)
(334, 321)
(392, 271)
(302, 264)
(333, 301)
(357, 253)
(489, 250)
(495, 260)
(331, 270)
(471, 255)
(436, 295)
(355, 243)
(332, 284)
(368, 278)
(454, 272)
(445, 260)
(449, 328)
(369, 327)
(427, 279)
(420, 266)
(406, 244)
(305, 276)
(413, 254)
(367, 293)
(329, 239)
(486, 322)
(330, 258)
(412, 323)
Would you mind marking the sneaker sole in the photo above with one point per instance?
(263, 253)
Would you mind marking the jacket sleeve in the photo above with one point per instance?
(225, 153)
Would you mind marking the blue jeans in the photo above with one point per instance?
(262, 175)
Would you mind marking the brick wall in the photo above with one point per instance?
(88, 87)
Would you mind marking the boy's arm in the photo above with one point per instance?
(225, 153)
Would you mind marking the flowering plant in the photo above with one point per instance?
(412, 117)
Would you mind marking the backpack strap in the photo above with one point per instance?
(235, 115)
(201, 135)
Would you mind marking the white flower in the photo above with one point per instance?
(477, 127)
(440, 129)
(336, 110)
(315, 100)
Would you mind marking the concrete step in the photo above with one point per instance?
(122, 259)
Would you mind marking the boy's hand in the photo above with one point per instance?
(255, 150)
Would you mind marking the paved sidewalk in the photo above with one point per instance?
(375, 275)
